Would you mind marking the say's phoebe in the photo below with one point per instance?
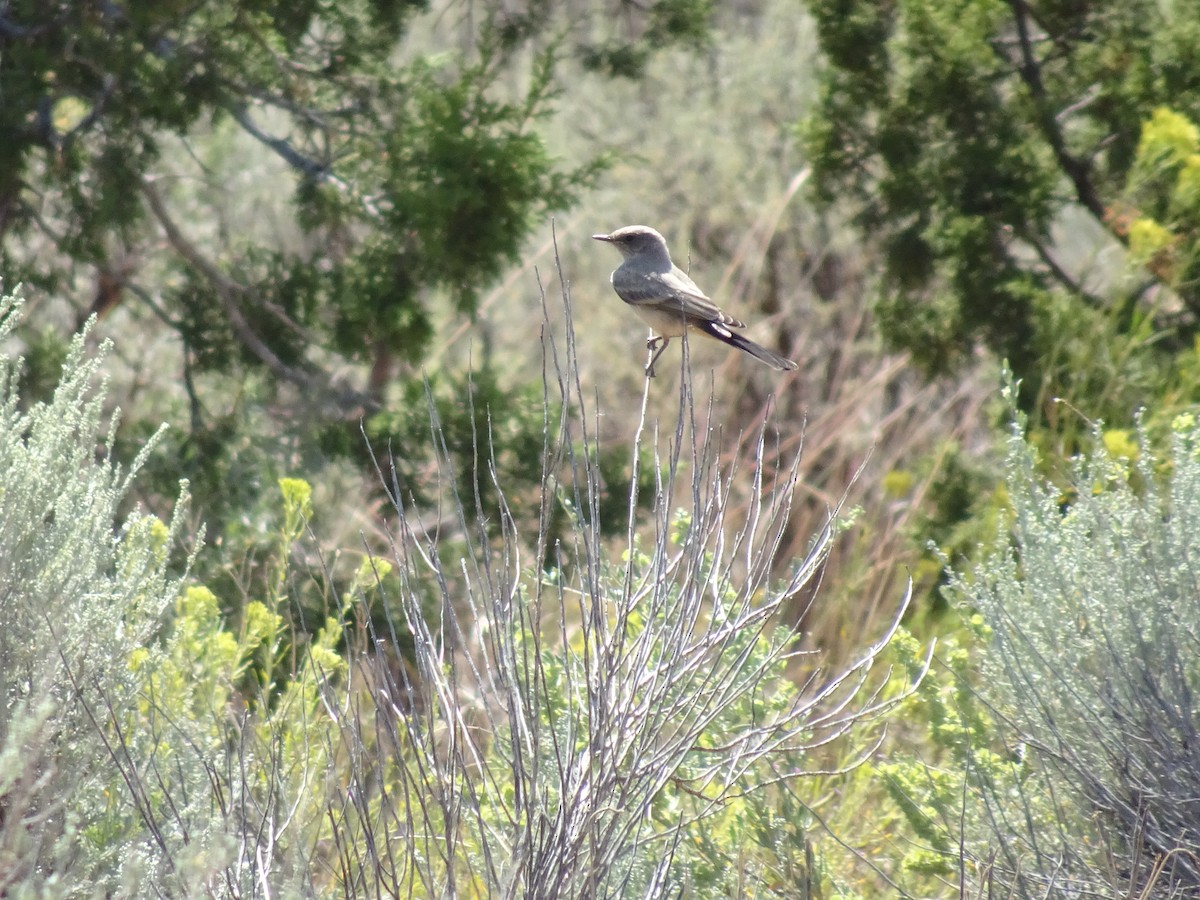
(668, 300)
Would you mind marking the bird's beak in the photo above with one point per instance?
(601, 237)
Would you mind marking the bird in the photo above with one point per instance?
(669, 301)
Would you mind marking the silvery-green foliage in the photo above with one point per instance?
(81, 586)
(1094, 667)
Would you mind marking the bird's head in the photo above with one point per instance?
(636, 240)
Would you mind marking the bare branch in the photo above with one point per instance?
(228, 290)
(556, 707)
(1079, 171)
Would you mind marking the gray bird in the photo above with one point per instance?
(668, 300)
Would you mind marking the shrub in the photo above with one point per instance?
(81, 588)
(1075, 768)
(584, 718)
(542, 715)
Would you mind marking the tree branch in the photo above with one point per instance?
(1077, 170)
(309, 167)
(1061, 275)
(227, 290)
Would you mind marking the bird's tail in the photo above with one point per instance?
(733, 339)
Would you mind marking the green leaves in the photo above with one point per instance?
(414, 177)
(384, 182)
(963, 131)
(662, 23)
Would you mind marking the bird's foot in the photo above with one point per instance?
(656, 346)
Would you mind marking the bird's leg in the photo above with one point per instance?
(658, 348)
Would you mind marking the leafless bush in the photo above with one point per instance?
(574, 707)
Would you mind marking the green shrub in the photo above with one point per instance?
(132, 759)
(1069, 763)
(82, 587)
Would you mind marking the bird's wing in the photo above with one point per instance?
(677, 286)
